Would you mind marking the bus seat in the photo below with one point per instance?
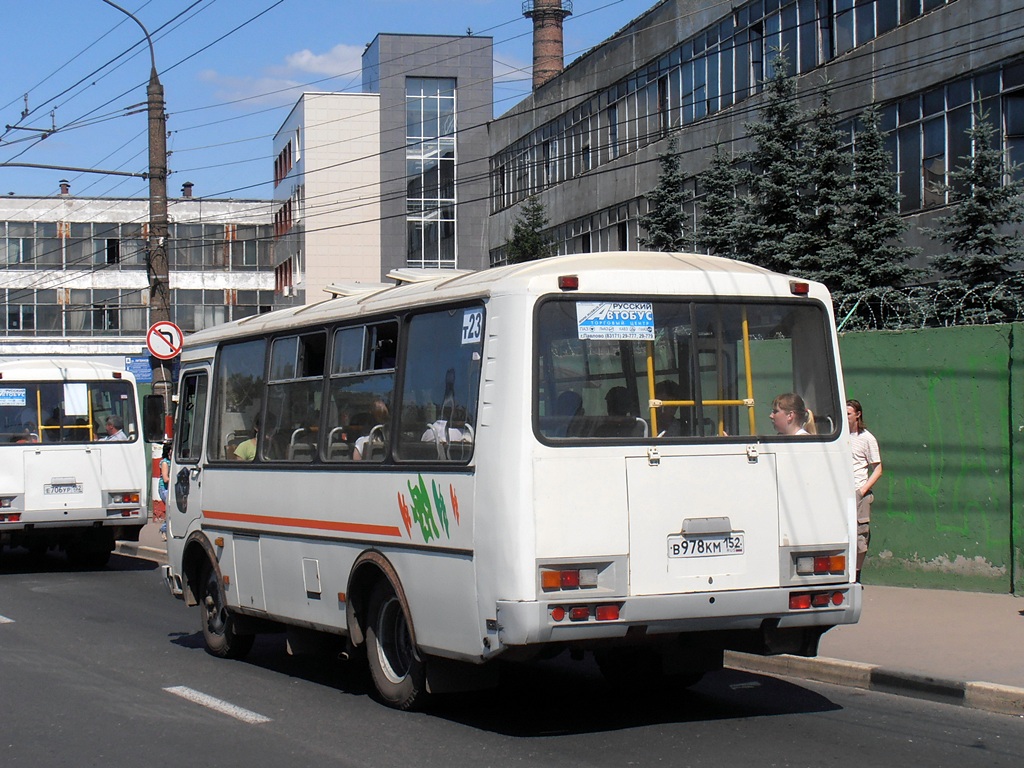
(300, 448)
(337, 447)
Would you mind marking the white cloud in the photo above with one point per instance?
(342, 60)
(338, 69)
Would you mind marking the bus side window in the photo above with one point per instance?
(238, 395)
(360, 393)
(442, 378)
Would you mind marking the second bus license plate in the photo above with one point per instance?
(708, 545)
(64, 488)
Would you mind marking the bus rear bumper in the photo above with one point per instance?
(537, 622)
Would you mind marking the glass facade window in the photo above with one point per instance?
(83, 247)
(716, 68)
(430, 172)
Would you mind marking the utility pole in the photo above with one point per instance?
(159, 286)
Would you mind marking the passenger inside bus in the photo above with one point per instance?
(791, 416)
(114, 427)
(669, 424)
(372, 446)
(621, 421)
(246, 450)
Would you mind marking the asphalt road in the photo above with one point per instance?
(104, 668)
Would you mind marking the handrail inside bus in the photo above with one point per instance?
(748, 402)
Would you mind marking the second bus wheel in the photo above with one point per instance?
(395, 664)
(218, 627)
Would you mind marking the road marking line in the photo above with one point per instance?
(5, 620)
(218, 705)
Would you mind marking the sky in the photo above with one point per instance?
(231, 71)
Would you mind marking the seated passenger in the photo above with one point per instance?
(115, 429)
(620, 422)
(668, 415)
(790, 415)
(246, 450)
(448, 431)
(380, 413)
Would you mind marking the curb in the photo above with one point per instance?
(1002, 699)
(134, 549)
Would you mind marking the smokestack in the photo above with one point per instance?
(186, 189)
(65, 187)
(547, 18)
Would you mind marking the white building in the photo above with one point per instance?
(73, 274)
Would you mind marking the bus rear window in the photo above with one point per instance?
(66, 411)
(666, 370)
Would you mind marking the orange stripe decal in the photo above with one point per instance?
(298, 522)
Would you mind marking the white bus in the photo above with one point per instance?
(67, 479)
(570, 454)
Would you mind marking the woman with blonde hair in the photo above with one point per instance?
(791, 416)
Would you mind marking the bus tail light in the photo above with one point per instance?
(6, 502)
(13, 517)
(567, 578)
(579, 613)
(803, 601)
(125, 498)
(820, 565)
(799, 287)
(607, 613)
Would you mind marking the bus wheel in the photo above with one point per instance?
(395, 664)
(218, 624)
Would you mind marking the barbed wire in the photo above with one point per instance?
(877, 309)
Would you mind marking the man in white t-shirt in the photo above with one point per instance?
(867, 468)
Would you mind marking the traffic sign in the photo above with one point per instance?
(164, 340)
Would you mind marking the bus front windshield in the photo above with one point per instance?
(684, 369)
(67, 412)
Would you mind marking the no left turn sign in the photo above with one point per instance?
(164, 340)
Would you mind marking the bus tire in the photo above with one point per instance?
(396, 666)
(218, 624)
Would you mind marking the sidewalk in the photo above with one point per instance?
(958, 647)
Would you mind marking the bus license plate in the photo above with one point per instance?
(705, 546)
(57, 490)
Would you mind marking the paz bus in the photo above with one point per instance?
(66, 481)
(570, 454)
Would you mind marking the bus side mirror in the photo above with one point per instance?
(153, 418)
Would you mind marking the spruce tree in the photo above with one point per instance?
(716, 232)
(528, 242)
(818, 254)
(981, 231)
(666, 224)
(873, 226)
(776, 176)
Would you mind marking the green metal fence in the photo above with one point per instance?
(947, 407)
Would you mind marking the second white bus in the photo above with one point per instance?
(570, 454)
(66, 482)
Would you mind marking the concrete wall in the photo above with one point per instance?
(946, 406)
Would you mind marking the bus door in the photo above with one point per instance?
(185, 494)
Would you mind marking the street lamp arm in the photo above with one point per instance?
(152, 54)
